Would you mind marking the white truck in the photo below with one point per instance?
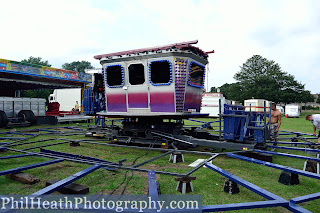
(66, 98)
(292, 110)
(210, 103)
(17, 110)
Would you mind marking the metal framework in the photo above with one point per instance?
(56, 157)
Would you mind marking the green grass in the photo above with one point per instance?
(298, 124)
(208, 183)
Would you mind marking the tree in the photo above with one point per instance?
(78, 66)
(232, 91)
(318, 99)
(36, 60)
(37, 93)
(213, 89)
(262, 78)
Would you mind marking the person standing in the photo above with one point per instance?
(76, 107)
(315, 119)
(275, 123)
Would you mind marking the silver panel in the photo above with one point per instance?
(12, 106)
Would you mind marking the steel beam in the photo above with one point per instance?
(19, 169)
(297, 209)
(201, 165)
(103, 164)
(256, 189)
(52, 144)
(30, 142)
(58, 185)
(152, 181)
(305, 198)
(11, 138)
(248, 205)
(216, 143)
(15, 156)
(275, 166)
(138, 147)
(287, 155)
(153, 159)
(63, 154)
(297, 133)
(292, 143)
(293, 148)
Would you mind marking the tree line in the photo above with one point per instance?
(260, 78)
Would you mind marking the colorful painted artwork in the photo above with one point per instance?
(42, 70)
(3, 65)
(57, 73)
(25, 69)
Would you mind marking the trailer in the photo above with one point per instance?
(210, 103)
(281, 109)
(17, 110)
(257, 105)
(292, 110)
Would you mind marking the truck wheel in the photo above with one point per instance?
(27, 115)
(24, 115)
(3, 119)
(32, 117)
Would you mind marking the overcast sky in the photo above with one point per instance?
(61, 31)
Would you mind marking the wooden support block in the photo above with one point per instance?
(311, 166)
(176, 157)
(72, 188)
(185, 185)
(23, 178)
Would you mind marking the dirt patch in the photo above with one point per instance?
(152, 166)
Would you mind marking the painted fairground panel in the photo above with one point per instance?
(137, 86)
(194, 89)
(116, 95)
(42, 71)
(162, 88)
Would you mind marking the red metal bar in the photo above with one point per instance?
(146, 49)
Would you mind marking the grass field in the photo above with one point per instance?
(208, 183)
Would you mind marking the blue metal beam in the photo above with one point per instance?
(287, 155)
(276, 166)
(297, 209)
(63, 154)
(305, 198)
(248, 205)
(15, 156)
(256, 189)
(11, 138)
(3, 148)
(294, 143)
(296, 133)
(19, 169)
(293, 148)
(152, 181)
(58, 185)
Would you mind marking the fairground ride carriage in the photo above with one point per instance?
(159, 81)
(153, 90)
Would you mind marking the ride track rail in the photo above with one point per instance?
(56, 157)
